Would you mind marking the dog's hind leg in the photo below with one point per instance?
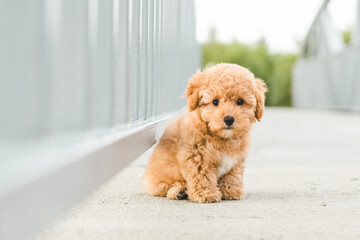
(155, 187)
(177, 191)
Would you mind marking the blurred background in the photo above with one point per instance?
(268, 37)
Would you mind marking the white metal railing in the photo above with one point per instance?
(327, 74)
(322, 37)
(85, 85)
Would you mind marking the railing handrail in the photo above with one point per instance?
(322, 37)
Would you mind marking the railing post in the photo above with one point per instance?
(357, 24)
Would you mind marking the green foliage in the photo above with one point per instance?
(347, 36)
(274, 69)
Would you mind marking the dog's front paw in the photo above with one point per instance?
(177, 192)
(176, 195)
(206, 196)
(232, 192)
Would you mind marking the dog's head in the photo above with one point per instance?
(228, 97)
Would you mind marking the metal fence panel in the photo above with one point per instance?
(327, 74)
(328, 82)
(73, 72)
(71, 66)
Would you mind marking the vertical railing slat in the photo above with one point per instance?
(100, 60)
(121, 65)
(134, 32)
(150, 73)
(143, 60)
(22, 76)
(67, 36)
(357, 23)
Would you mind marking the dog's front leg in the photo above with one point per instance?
(201, 180)
(231, 185)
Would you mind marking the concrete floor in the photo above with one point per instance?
(302, 181)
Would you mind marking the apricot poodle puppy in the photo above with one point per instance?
(201, 155)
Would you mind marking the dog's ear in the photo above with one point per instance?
(193, 89)
(260, 89)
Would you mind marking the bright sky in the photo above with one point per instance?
(281, 22)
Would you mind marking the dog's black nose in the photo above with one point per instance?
(229, 120)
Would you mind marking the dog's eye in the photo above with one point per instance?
(239, 102)
(216, 102)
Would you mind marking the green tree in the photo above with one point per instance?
(274, 69)
(347, 37)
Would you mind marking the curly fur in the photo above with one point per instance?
(198, 153)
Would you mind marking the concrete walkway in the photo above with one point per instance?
(302, 181)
